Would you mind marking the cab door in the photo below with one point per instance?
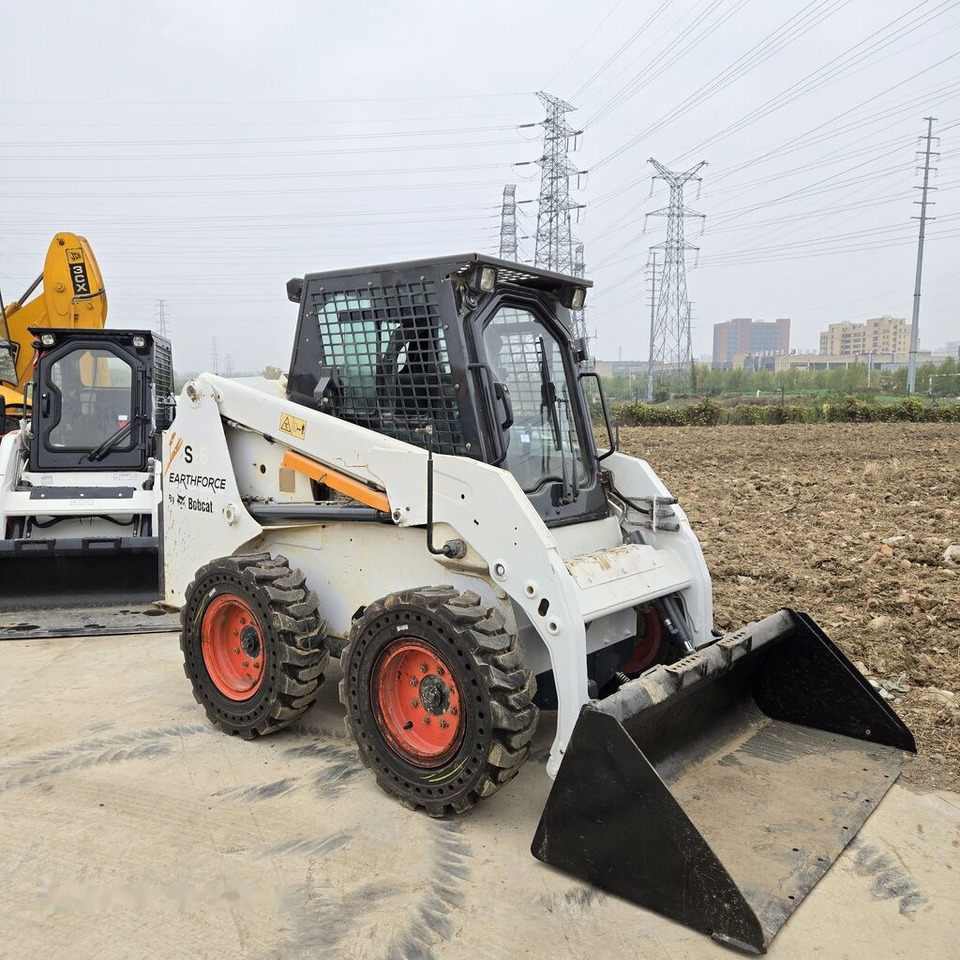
(90, 411)
(546, 433)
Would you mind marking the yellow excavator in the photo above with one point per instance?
(72, 296)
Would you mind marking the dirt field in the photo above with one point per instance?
(849, 523)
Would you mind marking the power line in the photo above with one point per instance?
(811, 16)
(269, 103)
(576, 53)
(622, 49)
(834, 68)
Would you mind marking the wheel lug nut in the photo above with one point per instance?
(453, 711)
(236, 649)
(246, 663)
(443, 723)
(426, 719)
(414, 703)
(256, 664)
(439, 671)
(423, 668)
(414, 682)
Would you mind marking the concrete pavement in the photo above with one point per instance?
(129, 827)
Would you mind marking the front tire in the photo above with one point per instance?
(437, 697)
(254, 645)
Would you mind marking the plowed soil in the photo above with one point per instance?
(852, 523)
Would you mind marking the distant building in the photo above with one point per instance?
(872, 361)
(952, 348)
(744, 336)
(621, 368)
(889, 335)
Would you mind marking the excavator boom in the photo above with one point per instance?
(72, 296)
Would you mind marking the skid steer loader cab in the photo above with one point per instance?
(425, 498)
(79, 501)
(467, 356)
(93, 402)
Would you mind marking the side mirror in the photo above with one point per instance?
(606, 415)
(295, 289)
(8, 363)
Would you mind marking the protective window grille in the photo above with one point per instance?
(391, 361)
(543, 442)
(163, 387)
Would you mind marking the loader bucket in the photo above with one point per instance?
(50, 590)
(718, 790)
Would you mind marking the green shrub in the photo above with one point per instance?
(848, 409)
(703, 413)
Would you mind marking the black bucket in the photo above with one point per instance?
(91, 587)
(719, 790)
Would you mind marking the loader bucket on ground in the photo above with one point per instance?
(720, 789)
(61, 594)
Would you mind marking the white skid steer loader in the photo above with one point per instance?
(80, 486)
(428, 476)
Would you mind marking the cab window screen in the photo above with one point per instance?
(96, 400)
(388, 348)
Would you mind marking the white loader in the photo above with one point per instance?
(423, 496)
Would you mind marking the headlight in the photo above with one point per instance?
(139, 342)
(576, 301)
(488, 279)
(48, 339)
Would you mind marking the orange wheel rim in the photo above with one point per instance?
(647, 647)
(419, 703)
(232, 645)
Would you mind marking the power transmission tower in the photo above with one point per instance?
(914, 328)
(671, 343)
(652, 270)
(214, 355)
(579, 316)
(554, 245)
(162, 328)
(228, 365)
(508, 223)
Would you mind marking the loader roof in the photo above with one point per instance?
(519, 273)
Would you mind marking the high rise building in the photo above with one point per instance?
(880, 334)
(744, 336)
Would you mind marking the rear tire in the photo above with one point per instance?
(254, 646)
(437, 697)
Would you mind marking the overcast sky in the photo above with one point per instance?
(211, 150)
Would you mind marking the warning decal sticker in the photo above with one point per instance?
(293, 426)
